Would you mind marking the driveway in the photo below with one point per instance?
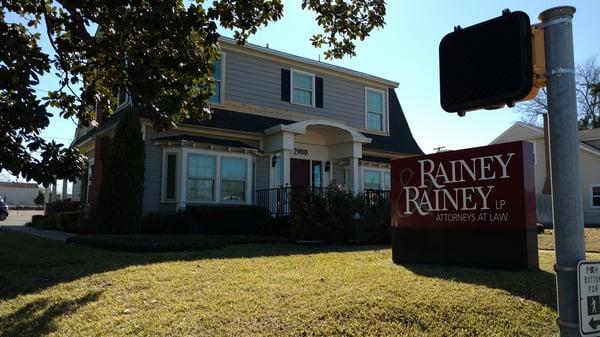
(18, 218)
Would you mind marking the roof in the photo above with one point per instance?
(311, 62)
(205, 140)
(590, 134)
(6, 184)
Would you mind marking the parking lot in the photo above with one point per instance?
(18, 218)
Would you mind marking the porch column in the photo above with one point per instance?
(353, 181)
(64, 189)
(54, 195)
(285, 167)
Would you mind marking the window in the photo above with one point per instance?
(387, 183)
(233, 179)
(316, 174)
(595, 196)
(303, 88)
(171, 176)
(372, 180)
(218, 85)
(201, 177)
(375, 109)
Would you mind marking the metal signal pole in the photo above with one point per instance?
(564, 155)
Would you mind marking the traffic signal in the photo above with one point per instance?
(487, 65)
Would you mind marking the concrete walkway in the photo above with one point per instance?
(46, 234)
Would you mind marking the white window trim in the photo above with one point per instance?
(216, 191)
(223, 58)
(381, 176)
(296, 71)
(245, 201)
(384, 117)
(217, 197)
(163, 192)
(592, 195)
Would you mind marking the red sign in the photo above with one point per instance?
(478, 191)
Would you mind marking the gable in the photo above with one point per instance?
(519, 131)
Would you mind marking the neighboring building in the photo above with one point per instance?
(19, 193)
(589, 156)
(279, 121)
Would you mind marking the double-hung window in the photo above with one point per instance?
(387, 182)
(171, 177)
(595, 196)
(303, 88)
(375, 109)
(201, 177)
(372, 180)
(218, 83)
(233, 179)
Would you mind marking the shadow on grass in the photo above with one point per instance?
(30, 264)
(37, 318)
(534, 285)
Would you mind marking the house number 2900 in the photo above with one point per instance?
(301, 152)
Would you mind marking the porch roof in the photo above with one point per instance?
(205, 140)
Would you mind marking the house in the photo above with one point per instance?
(589, 156)
(279, 121)
(19, 193)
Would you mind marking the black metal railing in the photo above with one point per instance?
(282, 201)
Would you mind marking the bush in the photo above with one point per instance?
(43, 222)
(217, 219)
(67, 221)
(339, 216)
(119, 207)
(40, 199)
(328, 217)
(59, 206)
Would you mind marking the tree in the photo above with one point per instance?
(120, 201)
(535, 111)
(160, 50)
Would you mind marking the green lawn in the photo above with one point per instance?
(52, 289)
(592, 240)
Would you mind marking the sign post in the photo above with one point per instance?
(564, 154)
(588, 279)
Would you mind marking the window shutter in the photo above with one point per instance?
(285, 85)
(319, 92)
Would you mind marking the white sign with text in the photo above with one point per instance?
(588, 280)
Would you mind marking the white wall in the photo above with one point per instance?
(18, 195)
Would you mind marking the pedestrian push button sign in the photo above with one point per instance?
(588, 276)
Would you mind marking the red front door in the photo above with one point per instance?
(299, 172)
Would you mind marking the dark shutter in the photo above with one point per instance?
(171, 176)
(319, 92)
(285, 85)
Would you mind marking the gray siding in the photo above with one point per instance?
(263, 168)
(257, 81)
(338, 174)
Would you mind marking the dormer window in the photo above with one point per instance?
(375, 109)
(303, 88)
(217, 96)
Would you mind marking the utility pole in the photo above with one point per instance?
(564, 155)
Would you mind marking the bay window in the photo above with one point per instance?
(372, 180)
(233, 179)
(201, 177)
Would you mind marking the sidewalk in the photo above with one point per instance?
(46, 234)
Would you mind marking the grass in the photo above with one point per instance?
(592, 240)
(168, 243)
(52, 289)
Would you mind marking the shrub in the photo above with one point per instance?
(374, 225)
(328, 217)
(119, 207)
(43, 222)
(217, 219)
(67, 221)
(40, 199)
(59, 206)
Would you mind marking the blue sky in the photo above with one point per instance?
(406, 51)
